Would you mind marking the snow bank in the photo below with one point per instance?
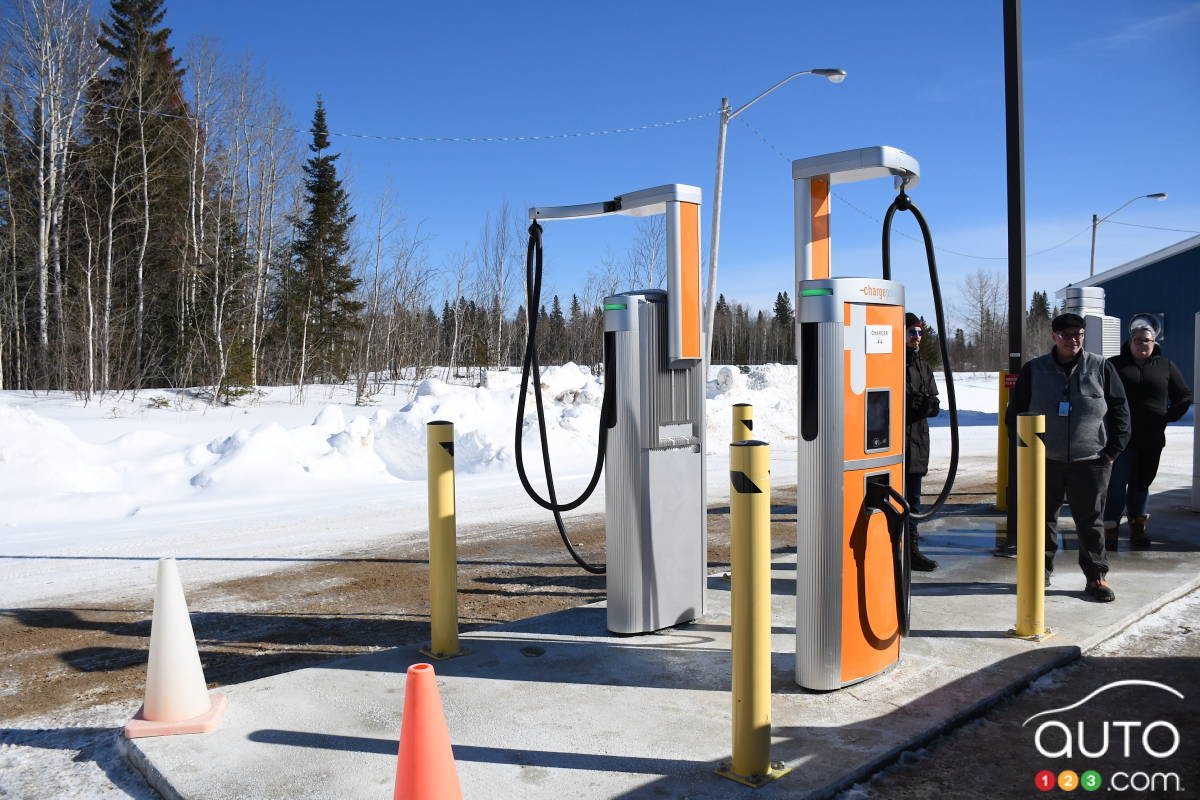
(49, 471)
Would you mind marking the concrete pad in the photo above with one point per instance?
(555, 707)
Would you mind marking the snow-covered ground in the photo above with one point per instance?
(93, 493)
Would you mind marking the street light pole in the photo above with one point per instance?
(714, 242)
(1097, 220)
(1092, 263)
(710, 307)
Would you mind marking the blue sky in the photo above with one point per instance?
(1112, 111)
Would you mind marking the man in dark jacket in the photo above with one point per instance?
(1157, 396)
(1087, 427)
(921, 397)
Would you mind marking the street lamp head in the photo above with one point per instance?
(1157, 196)
(834, 75)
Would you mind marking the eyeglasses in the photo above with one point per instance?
(1068, 335)
(1144, 341)
(915, 333)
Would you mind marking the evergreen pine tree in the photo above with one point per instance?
(783, 310)
(930, 347)
(555, 332)
(323, 286)
(1037, 323)
(721, 349)
(1039, 306)
(447, 328)
(783, 332)
(143, 108)
(578, 331)
(517, 341)
(958, 348)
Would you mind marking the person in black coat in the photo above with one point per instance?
(921, 403)
(1157, 397)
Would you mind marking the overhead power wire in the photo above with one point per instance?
(389, 138)
(1151, 227)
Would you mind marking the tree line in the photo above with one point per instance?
(163, 224)
(151, 218)
(980, 343)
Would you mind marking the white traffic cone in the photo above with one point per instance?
(177, 698)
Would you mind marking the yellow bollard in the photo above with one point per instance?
(743, 422)
(1002, 448)
(443, 556)
(742, 430)
(750, 619)
(1031, 529)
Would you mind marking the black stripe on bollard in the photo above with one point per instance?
(449, 447)
(742, 483)
(749, 423)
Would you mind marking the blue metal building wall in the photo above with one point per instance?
(1170, 287)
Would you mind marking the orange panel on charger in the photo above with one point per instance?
(870, 626)
(688, 296)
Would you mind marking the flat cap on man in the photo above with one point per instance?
(1064, 321)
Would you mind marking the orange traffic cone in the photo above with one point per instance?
(177, 698)
(425, 769)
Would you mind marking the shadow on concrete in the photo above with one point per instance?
(776, 630)
(936, 634)
(783, 587)
(775, 510)
(494, 755)
(829, 757)
(967, 509)
(967, 587)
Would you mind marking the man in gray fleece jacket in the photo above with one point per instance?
(1087, 427)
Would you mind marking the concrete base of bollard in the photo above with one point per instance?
(426, 651)
(775, 770)
(1033, 637)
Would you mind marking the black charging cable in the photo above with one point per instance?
(903, 203)
(533, 294)
(880, 496)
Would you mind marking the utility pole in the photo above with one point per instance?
(1015, 147)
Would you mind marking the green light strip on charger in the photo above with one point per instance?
(615, 307)
(814, 292)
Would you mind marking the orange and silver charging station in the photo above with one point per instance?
(851, 566)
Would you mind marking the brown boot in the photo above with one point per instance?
(1110, 535)
(1100, 591)
(1137, 532)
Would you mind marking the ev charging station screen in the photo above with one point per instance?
(879, 414)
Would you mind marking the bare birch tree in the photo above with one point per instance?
(980, 304)
(55, 60)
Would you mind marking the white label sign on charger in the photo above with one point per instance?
(879, 338)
